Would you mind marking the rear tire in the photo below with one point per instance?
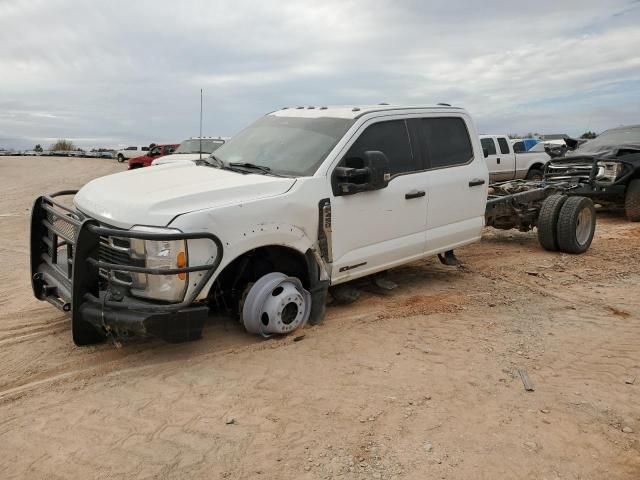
(576, 225)
(535, 174)
(120, 158)
(548, 220)
(632, 201)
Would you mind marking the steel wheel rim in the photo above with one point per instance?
(583, 226)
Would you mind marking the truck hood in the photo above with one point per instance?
(178, 157)
(154, 196)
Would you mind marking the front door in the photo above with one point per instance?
(375, 230)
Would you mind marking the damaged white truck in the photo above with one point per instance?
(302, 200)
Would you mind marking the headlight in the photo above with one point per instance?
(608, 171)
(160, 254)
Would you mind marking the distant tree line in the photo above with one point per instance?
(63, 145)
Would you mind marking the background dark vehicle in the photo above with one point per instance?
(606, 169)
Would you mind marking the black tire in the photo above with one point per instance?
(120, 158)
(632, 201)
(535, 174)
(576, 225)
(548, 220)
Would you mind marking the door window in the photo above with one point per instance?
(504, 147)
(445, 141)
(518, 147)
(489, 145)
(390, 138)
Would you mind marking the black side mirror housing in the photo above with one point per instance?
(361, 174)
(486, 152)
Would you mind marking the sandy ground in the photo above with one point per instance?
(421, 382)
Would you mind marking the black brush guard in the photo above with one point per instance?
(65, 268)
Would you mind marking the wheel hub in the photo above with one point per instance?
(583, 226)
(276, 304)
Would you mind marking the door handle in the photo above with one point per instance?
(414, 194)
(476, 182)
(498, 161)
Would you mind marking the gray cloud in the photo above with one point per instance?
(120, 72)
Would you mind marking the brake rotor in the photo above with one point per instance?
(275, 304)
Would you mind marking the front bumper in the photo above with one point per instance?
(69, 271)
(580, 175)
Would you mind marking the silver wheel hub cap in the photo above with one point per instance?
(276, 304)
(583, 226)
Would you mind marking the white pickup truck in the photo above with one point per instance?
(302, 200)
(504, 164)
(130, 152)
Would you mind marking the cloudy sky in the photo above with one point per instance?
(108, 73)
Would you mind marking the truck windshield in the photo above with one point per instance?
(209, 145)
(286, 145)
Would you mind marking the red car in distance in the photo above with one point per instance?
(156, 151)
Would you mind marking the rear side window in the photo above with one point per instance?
(489, 145)
(518, 147)
(390, 138)
(504, 146)
(144, 149)
(131, 148)
(446, 141)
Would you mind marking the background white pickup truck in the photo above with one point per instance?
(504, 164)
(130, 152)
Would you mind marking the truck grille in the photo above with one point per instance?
(116, 250)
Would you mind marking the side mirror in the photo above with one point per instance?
(486, 152)
(361, 174)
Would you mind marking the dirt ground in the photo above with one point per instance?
(421, 382)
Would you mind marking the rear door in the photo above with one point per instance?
(457, 183)
(493, 160)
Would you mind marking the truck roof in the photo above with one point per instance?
(355, 111)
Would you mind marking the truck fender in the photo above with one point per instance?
(265, 235)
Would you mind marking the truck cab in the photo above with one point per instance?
(505, 164)
(301, 200)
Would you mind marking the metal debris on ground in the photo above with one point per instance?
(528, 386)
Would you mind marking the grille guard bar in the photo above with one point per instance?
(59, 231)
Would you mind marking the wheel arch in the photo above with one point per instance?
(536, 166)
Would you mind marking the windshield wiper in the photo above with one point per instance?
(214, 161)
(251, 166)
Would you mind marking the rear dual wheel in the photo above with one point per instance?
(632, 201)
(566, 224)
